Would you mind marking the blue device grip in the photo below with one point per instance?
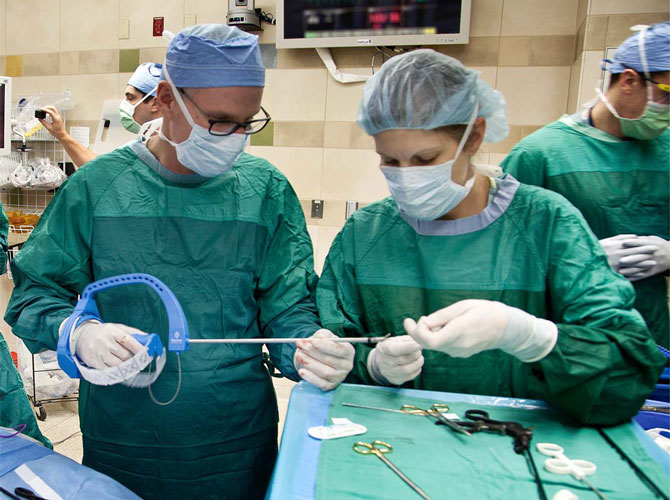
(87, 309)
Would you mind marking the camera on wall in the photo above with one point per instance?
(243, 15)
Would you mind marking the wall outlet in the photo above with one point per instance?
(317, 209)
(124, 29)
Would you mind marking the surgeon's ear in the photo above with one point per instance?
(476, 136)
(164, 97)
(628, 81)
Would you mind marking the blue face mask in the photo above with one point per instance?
(202, 152)
(427, 193)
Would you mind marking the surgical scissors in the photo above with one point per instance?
(379, 448)
(560, 464)
(436, 411)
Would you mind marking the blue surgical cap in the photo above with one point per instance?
(656, 48)
(146, 77)
(424, 89)
(214, 55)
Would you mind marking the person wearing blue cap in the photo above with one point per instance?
(612, 161)
(137, 108)
(488, 286)
(225, 231)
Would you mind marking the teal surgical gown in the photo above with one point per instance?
(529, 249)
(620, 186)
(235, 251)
(14, 405)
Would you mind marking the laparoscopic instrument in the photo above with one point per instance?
(379, 449)
(435, 411)
(178, 336)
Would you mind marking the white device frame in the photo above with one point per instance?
(462, 37)
(6, 146)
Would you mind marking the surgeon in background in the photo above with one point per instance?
(612, 161)
(502, 287)
(226, 233)
(14, 405)
(138, 107)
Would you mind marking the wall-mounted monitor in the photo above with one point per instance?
(5, 115)
(379, 23)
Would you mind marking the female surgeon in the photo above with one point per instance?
(502, 287)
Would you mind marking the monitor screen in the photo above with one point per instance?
(5, 114)
(342, 23)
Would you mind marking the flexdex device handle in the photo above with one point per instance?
(87, 309)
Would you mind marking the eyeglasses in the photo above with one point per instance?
(223, 128)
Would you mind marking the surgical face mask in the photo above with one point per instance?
(127, 113)
(202, 152)
(427, 193)
(656, 117)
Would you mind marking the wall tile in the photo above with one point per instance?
(129, 60)
(29, 85)
(591, 75)
(297, 95)
(299, 134)
(342, 99)
(337, 134)
(298, 59)
(352, 174)
(40, 16)
(496, 158)
(582, 11)
(141, 16)
(206, 11)
(628, 6)
(99, 61)
(326, 236)
(359, 139)
(2, 65)
(41, 64)
(575, 84)
(302, 167)
(14, 66)
(89, 93)
(508, 143)
(596, 33)
(86, 25)
(122, 84)
(539, 17)
(618, 27)
(487, 73)
(534, 95)
(2, 30)
(334, 213)
(68, 63)
(152, 54)
(481, 51)
(514, 51)
(485, 17)
(314, 235)
(265, 137)
(355, 57)
(554, 50)
(579, 43)
(91, 124)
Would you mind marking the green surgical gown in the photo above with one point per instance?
(14, 405)
(235, 251)
(620, 186)
(529, 249)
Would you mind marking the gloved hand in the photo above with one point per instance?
(472, 326)
(321, 362)
(55, 126)
(620, 256)
(642, 264)
(395, 361)
(100, 345)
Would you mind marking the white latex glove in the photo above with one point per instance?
(321, 362)
(395, 361)
(619, 256)
(641, 264)
(472, 326)
(100, 345)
